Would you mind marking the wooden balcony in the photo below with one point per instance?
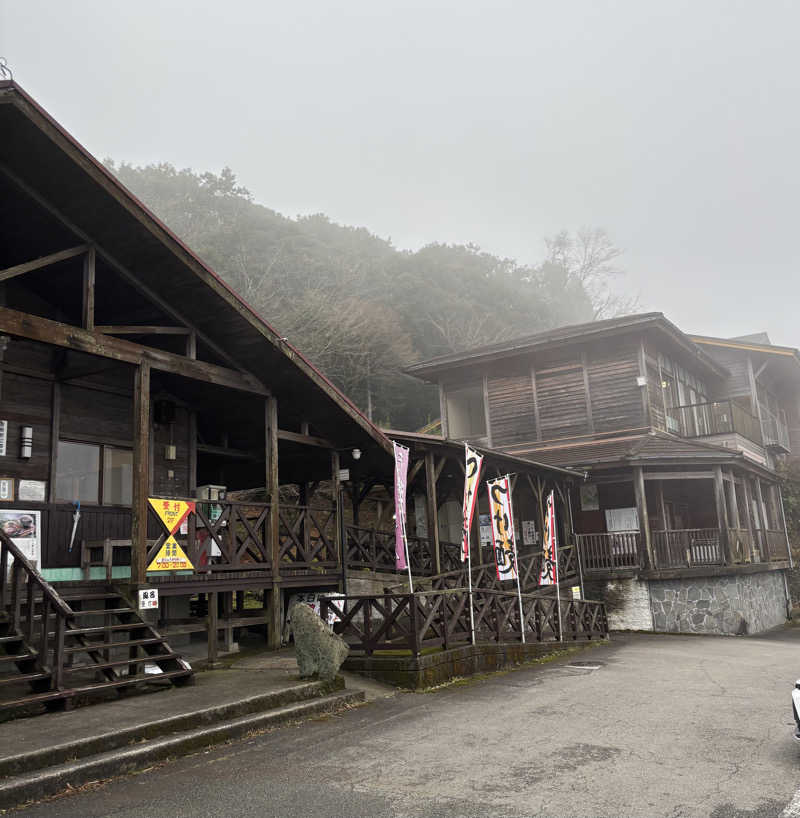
(774, 431)
(685, 548)
(717, 418)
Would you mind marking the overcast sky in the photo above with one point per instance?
(675, 125)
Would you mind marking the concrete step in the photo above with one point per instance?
(126, 758)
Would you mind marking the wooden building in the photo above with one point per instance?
(157, 435)
(680, 437)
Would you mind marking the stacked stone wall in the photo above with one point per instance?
(737, 604)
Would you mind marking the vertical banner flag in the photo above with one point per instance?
(400, 478)
(472, 474)
(505, 549)
(549, 573)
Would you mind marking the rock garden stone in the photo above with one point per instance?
(319, 650)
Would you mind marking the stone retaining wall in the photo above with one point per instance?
(744, 603)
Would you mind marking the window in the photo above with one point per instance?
(117, 476)
(465, 412)
(79, 475)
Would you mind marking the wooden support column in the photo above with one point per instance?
(722, 515)
(141, 473)
(432, 511)
(213, 627)
(55, 427)
(227, 616)
(646, 554)
(733, 507)
(87, 312)
(751, 523)
(762, 521)
(339, 539)
(273, 498)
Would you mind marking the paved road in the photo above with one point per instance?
(666, 726)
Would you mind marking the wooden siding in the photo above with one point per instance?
(561, 394)
(616, 398)
(655, 396)
(511, 412)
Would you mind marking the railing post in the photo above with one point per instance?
(415, 636)
(273, 498)
(58, 652)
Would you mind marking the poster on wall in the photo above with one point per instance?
(622, 519)
(485, 521)
(530, 534)
(590, 497)
(23, 529)
(32, 491)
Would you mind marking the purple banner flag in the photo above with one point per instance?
(400, 479)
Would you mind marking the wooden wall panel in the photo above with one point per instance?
(101, 416)
(511, 413)
(561, 395)
(616, 398)
(656, 398)
(26, 401)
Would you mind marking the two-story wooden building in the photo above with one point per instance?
(680, 519)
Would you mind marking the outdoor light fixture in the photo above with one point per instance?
(26, 442)
(356, 454)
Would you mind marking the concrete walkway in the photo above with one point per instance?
(250, 675)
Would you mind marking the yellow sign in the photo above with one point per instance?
(170, 557)
(171, 512)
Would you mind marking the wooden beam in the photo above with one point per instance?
(338, 540)
(141, 473)
(191, 345)
(226, 451)
(106, 346)
(133, 329)
(42, 261)
(87, 302)
(120, 268)
(308, 440)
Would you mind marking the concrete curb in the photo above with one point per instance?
(72, 750)
(33, 786)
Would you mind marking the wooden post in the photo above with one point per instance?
(55, 428)
(87, 312)
(227, 614)
(722, 515)
(340, 542)
(213, 627)
(762, 519)
(733, 506)
(273, 498)
(141, 472)
(751, 523)
(432, 512)
(644, 521)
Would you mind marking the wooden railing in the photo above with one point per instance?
(241, 533)
(440, 619)
(741, 545)
(774, 430)
(687, 547)
(775, 546)
(374, 550)
(717, 418)
(530, 564)
(615, 551)
(44, 634)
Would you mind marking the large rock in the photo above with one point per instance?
(319, 650)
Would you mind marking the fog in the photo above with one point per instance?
(674, 125)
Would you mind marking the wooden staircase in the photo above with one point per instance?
(85, 643)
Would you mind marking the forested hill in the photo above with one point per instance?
(358, 307)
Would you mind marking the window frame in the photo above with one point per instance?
(101, 446)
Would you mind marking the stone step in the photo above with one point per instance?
(26, 786)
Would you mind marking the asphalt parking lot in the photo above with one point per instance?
(647, 726)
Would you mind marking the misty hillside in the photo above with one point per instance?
(358, 307)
